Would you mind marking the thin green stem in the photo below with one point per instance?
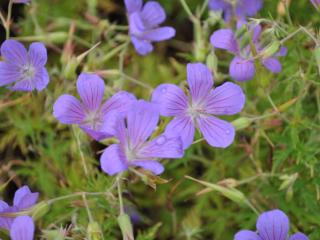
(120, 195)
(73, 195)
(87, 208)
(7, 27)
(187, 9)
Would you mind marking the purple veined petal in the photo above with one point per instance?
(248, 8)
(143, 47)
(171, 100)
(22, 228)
(68, 110)
(200, 80)
(120, 102)
(153, 14)
(272, 64)
(14, 52)
(257, 29)
(38, 54)
(109, 124)
(120, 130)
(9, 73)
(247, 235)
(159, 34)
(142, 119)
(273, 225)
(282, 52)
(133, 5)
(219, 5)
(298, 236)
(162, 147)
(149, 165)
(25, 85)
(218, 133)
(225, 39)
(95, 134)
(5, 222)
(91, 89)
(241, 70)
(183, 127)
(24, 198)
(113, 160)
(3, 206)
(228, 99)
(41, 79)
(136, 24)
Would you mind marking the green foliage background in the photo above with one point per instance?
(274, 161)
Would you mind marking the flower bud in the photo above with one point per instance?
(212, 62)
(271, 49)
(94, 231)
(40, 210)
(126, 227)
(241, 123)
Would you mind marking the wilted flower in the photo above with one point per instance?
(23, 199)
(240, 8)
(198, 107)
(144, 24)
(22, 228)
(25, 70)
(134, 148)
(93, 116)
(21, 1)
(242, 67)
(271, 225)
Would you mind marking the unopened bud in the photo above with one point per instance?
(40, 210)
(126, 227)
(94, 231)
(69, 71)
(271, 49)
(212, 62)
(241, 123)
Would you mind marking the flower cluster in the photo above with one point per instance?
(271, 225)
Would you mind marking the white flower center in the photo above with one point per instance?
(93, 118)
(28, 71)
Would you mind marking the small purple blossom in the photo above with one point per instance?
(198, 107)
(135, 148)
(242, 67)
(22, 228)
(144, 24)
(21, 1)
(22, 70)
(240, 8)
(93, 116)
(271, 225)
(23, 199)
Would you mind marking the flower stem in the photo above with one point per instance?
(7, 25)
(120, 195)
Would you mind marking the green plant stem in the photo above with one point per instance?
(120, 195)
(7, 27)
(73, 195)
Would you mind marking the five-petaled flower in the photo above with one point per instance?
(22, 228)
(93, 116)
(242, 67)
(271, 225)
(134, 148)
(239, 8)
(144, 24)
(23, 199)
(24, 70)
(198, 107)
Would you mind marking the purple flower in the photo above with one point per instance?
(316, 3)
(21, 1)
(22, 228)
(23, 199)
(93, 116)
(24, 70)
(242, 66)
(134, 148)
(144, 24)
(198, 107)
(271, 225)
(240, 8)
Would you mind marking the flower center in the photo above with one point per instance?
(195, 110)
(93, 118)
(28, 71)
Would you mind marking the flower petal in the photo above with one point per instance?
(171, 100)
(142, 119)
(153, 14)
(162, 147)
(218, 133)
(38, 54)
(143, 47)
(113, 160)
(9, 73)
(228, 99)
(120, 102)
(149, 165)
(200, 80)
(242, 70)
(68, 110)
(133, 5)
(22, 228)
(224, 39)
(248, 8)
(246, 235)
(272, 64)
(298, 236)
(159, 34)
(24, 198)
(282, 52)
(91, 89)
(183, 127)
(218, 5)
(41, 79)
(14, 52)
(25, 85)
(273, 225)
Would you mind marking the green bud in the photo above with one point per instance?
(271, 49)
(126, 227)
(54, 234)
(40, 210)
(241, 123)
(69, 71)
(94, 231)
(212, 62)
